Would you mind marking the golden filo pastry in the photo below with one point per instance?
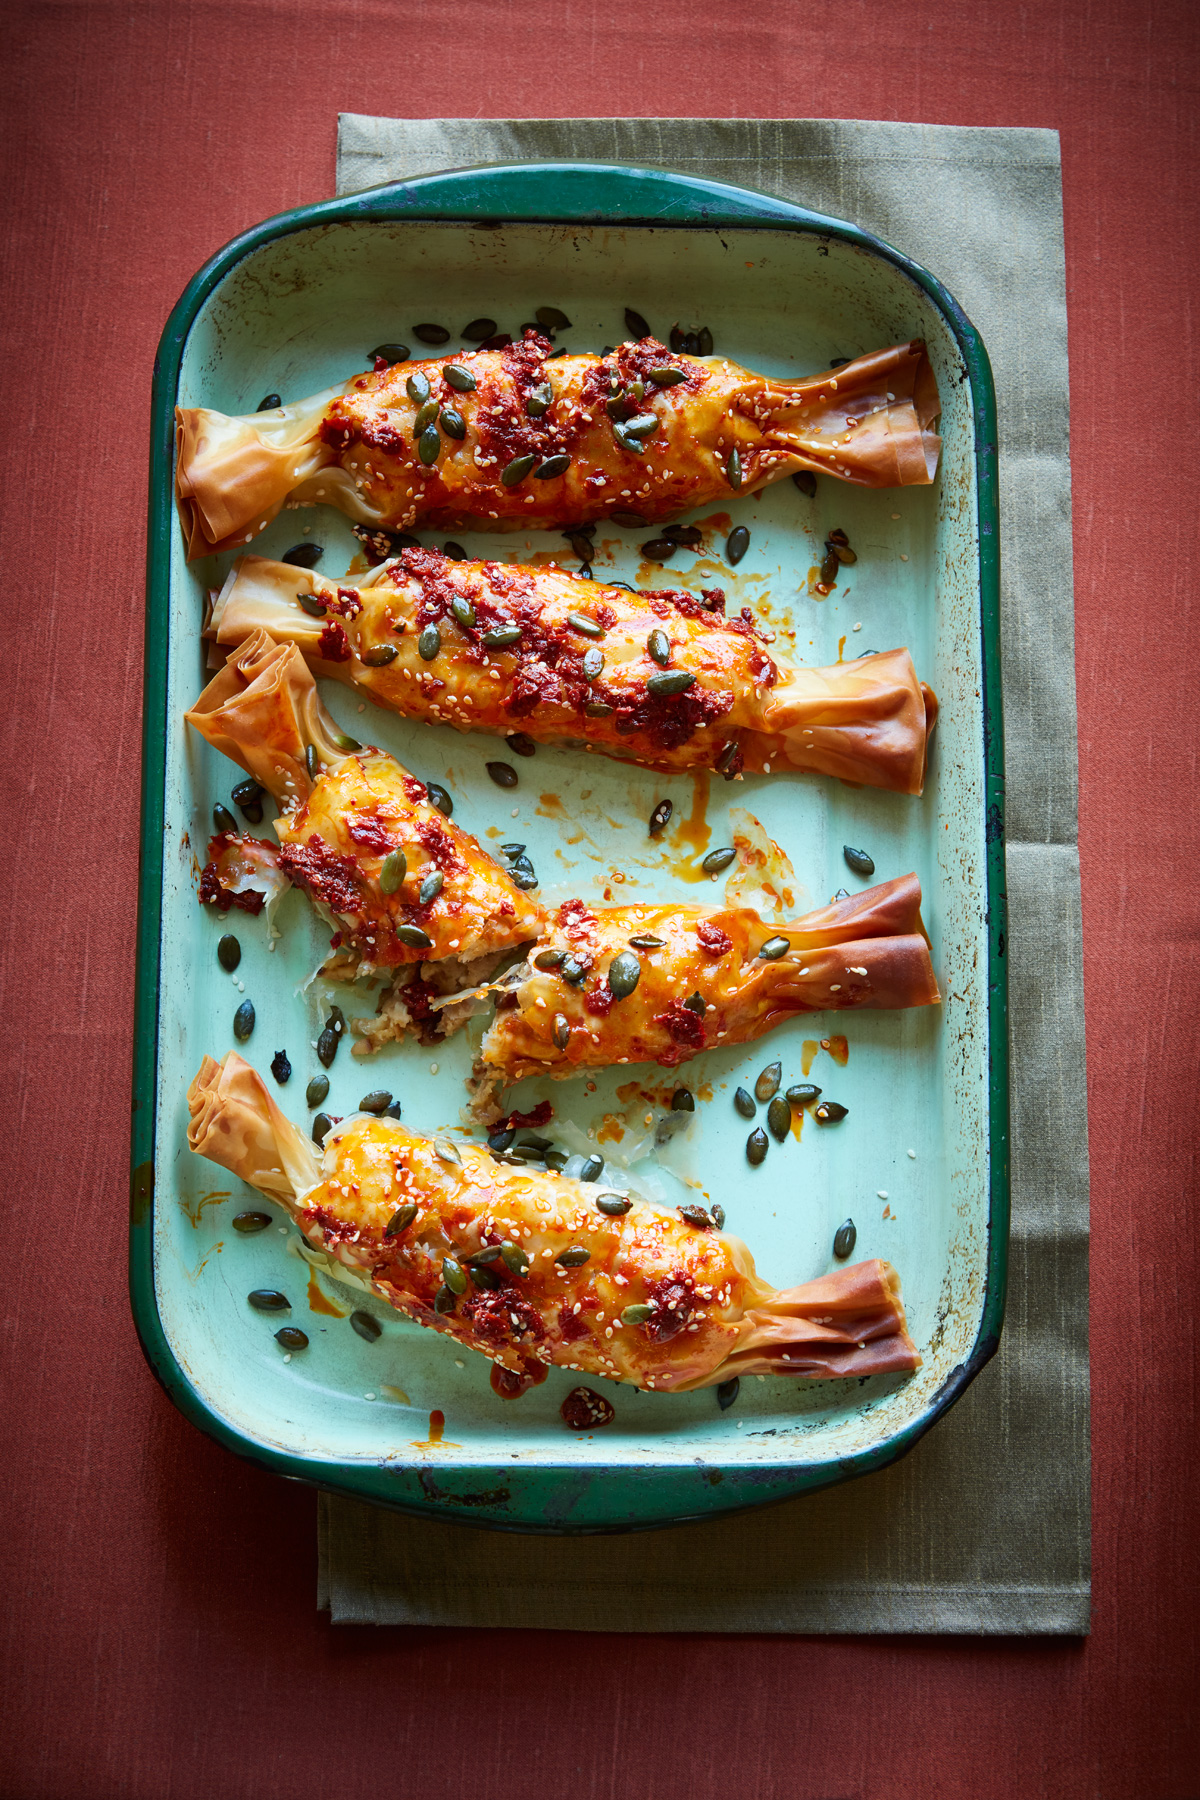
(520, 437)
(661, 678)
(534, 1269)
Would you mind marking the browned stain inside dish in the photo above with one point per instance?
(194, 1211)
(317, 1301)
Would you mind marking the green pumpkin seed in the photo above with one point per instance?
(574, 1257)
(489, 1254)
(718, 1217)
(522, 744)
(624, 973)
(414, 938)
(540, 401)
(696, 1003)
(598, 709)
(858, 860)
(659, 549)
(483, 1278)
(768, 1082)
(317, 1090)
(292, 1338)
(366, 1325)
(515, 1260)
(392, 353)
(562, 1030)
(830, 1112)
(223, 820)
(454, 1275)
(246, 792)
(229, 952)
(736, 545)
(392, 871)
(440, 798)
(418, 388)
(614, 1206)
(429, 643)
(400, 1220)
(552, 468)
(665, 687)
(662, 375)
(757, 1146)
(733, 468)
(774, 948)
(380, 655)
(517, 470)
(431, 334)
(844, 553)
(431, 887)
(425, 417)
(377, 1101)
(803, 1094)
(716, 860)
(312, 605)
(697, 1216)
(829, 569)
(443, 1300)
(268, 403)
(637, 1314)
(635, 325)
(550, 319)
(585, 625)
(727, 757)
(779, 1118)
(312, 762)
(641, 425)
(320, 1125)
(463, 612)
(454, 426)
(556, 1159)
(269, 1300)
(249, 1223)
(683, 1100)
(659, 646)
(743, 1100)
(646, 940)
(844, 1239)
(592, 1169)
(593, 664)
(460, 378)
(502, 773)
(501, 637)
(547, 959)
(572, 969)
(478, 330)
(727, 1393)
(344, 741)
(660, 818)
(627, 442)
(446, 1152)
(429, 445)
(806, 481)
(243, 1021)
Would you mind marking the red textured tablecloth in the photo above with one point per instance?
(158, 1634)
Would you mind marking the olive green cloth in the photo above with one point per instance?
(985, 1527)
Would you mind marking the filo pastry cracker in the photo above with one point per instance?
(524, 1266)
(517, 437)
(660, 678)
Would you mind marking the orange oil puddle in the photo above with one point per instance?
(797, 1122)
(213, 1199)
(317, 1301)
(550, 806)
(437, 1426)
(612, 1129)
(838, 1048)
(808, 1055)
(694, 834)
(358, 564)
(841, 649)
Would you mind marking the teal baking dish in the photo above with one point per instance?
(921, 1163)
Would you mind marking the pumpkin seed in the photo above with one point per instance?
(431, 887)
(806, 481)
(704, 341)
(501, 637)
(268, 1300)
(521, 745)
(574, 1257)
(268, 403)
(733, 468)
(660, 818)
(737, 544)
(223, 819)
(454, 1275)
(478, 329)
(454, 426)
(582, 548)
(344, 741)
(540, 401)
(743, 1100)
(312, 762)
(243, 1021)
(718, 1217)
(414, 938)
(779, 1118)
(536, 1143)
(517, 470)
(315, 608)
(858, 860)
(443, 1300)
(624, 973)
(431, 334)
(500, 1140)
(645, 940)
(392, 871)
(597, 709)
(803, 1094)
(366, 1325)
(829, 569)
(377, 1101)
(551, 319)
(418, 388)
(659, 549)
(317, 1090)
(689, 535)
(562, 1030)
(460, 378)
(593, 663)
(425, 417)
(446, 1152)
(502, 773)
(585, 624)
(483, 1277)
(292, 1338)
(515, 1260)
(248, 1223)
(557, 1159)
(768, 1082)
(440, 798)
(281, 1068)
(697, 1216)
(844, 1239)
(635, 325)
(683, 1100)
(614, 1206)
(658, 645)
(547, 959)
(331, 1037)
(456, 553)
(573, 970)
(642, 425)
(303, 556)
(229, 952)
(716, 860)
(637, 1314)
(774, 948)
(727, 1393)
(628, 442)
(664, 376)
(552, 467)
(830, 1111)
(665, 687)
(757, 1146)
(320, 1125)
(462, 612)
(400, 1220)
(380, 655)
(843, 552)
(429, 643)
(394, 353)
(429, 445)
(246, 792)
(631, 521)
(592, 1169)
